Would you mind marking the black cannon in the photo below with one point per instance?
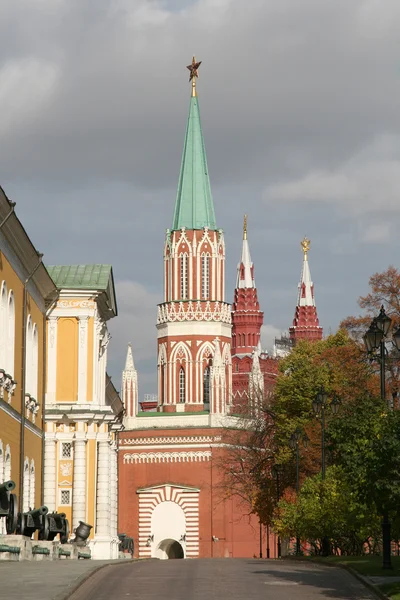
(82, 533)
(8, 505)
(29, 522)
(126, 543)
(55, 524)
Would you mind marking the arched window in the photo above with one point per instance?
(10, 352)
(7, 464)
(205, 276)
(3, 321)
(2, 478)
(28, 356)
(162, 382)
(32, 484)
(184, 276)
(35, 362)
(26, 495)
(1, 464)
(206, 385)
(182, 385)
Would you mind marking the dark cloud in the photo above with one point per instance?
(299, 104)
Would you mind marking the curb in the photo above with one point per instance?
(372, 588)
(83, 578)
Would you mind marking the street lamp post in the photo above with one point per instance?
(319, 405)
(375, 338)
(276, 470)
(294, 441)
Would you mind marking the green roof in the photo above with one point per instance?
(98, 278)
(82, 277)
(194, 208)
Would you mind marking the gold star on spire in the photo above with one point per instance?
(193, 74)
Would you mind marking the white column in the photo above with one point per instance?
(103, 487)
(79, 488)
(113, 489)
(50, 472)
(51, 360)
(82, 359)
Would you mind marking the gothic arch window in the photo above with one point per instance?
(184, 276)
(32, 484)
(1, 462)
(35, 361)
(10, 352)
(206, 385)
(3, 322)
(205, 276)
(26, 494)
(7, 464)
(182, 385)
(2, 478)
(28, 356)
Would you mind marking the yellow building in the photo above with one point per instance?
(26, 292)
(83, 409)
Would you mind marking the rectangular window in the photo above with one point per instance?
(65, 497)
(205, 277)
(66, 450)
(184, 277)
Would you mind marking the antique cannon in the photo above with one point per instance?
(55, 524)
(8, 505)
(32, 520)
(82, 533)
(126, 543)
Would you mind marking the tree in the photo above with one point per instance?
(385, 290)
(328, 508)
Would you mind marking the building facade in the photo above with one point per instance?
(26, 291)
(83, 409)
(172, 499)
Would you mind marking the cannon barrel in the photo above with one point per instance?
(37, 512)
(7, 486)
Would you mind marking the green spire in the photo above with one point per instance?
(194, 208)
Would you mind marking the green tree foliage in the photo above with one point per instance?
(328, 508)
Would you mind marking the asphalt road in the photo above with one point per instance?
(221, 579)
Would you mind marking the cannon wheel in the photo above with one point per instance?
(44, 531)
(65, 534)
(11, 518)
(21, 524)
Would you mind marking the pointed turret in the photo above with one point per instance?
(247, 319)
(305, 323)
(245, 275)
(194, 207)
(130, 385)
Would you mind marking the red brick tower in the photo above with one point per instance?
(171, 494)
(253, 371)
(305, 323)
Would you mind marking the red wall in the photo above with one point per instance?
(226, 519)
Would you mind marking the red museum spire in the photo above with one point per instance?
(305, 323)
(247, 318)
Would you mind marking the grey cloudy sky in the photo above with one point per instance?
(300, 112)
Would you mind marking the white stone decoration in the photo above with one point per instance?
(167, 457)
(180, 523)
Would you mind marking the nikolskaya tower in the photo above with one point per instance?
(194, 321)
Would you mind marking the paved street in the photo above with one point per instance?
(43, 580)
(221, 579)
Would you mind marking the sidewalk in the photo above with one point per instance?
(52, 580)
